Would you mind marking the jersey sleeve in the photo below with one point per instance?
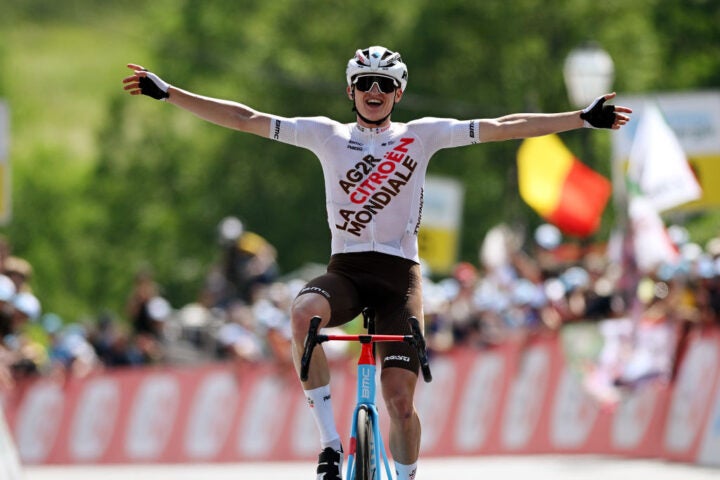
(304, 132)
(439, 133)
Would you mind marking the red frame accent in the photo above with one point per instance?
(366, 342)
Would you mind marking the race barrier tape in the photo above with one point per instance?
(512, 399)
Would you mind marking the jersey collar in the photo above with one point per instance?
(373, 130)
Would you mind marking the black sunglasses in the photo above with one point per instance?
(366, 82)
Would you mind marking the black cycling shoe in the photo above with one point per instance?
(330, 464)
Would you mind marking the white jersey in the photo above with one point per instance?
(374, 177)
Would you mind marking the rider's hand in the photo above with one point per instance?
(146, 83)
(599, 115)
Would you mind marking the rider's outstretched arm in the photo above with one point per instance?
(221, 112)
(524, 125)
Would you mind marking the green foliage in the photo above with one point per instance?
(690, 38)
(105, 184)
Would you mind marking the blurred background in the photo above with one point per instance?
(136, 234)
(104, 185)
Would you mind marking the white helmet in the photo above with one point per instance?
(377, 60)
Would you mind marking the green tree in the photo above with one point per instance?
(482, 60)
(161, 180)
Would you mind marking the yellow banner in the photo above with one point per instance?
(438, 248)
(707, 171)
(438, 237)
(5, 185)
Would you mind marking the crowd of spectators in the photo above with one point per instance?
(519, 288)
(19, 355)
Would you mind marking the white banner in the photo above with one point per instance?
(693, 116)
(658, 164)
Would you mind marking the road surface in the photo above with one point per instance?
(553, 467)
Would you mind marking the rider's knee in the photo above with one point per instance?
(400, 405)
(303, 309)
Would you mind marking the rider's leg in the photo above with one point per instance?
(303, 309)
(398, 388)
(317, 386)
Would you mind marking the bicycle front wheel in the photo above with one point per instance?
(365, 449)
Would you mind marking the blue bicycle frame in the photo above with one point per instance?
(366, 394)
(366, 384)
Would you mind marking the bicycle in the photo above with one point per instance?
(366, 449)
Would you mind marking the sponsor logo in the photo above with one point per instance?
(472, 133)
(480, 401)
(411, 475)
(311, 403)
(691, 392)
(373, 183)
(632, 418)
(276, 133)
(38, 421)
(355, 145)
(422, 203)
(399, 358)
(365, 383)
(207, 427)
(524, 407)
(94, 420)
(573, 413)
(152, 417)
(264, 416)
(319, 290)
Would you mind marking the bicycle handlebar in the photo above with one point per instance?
(310, 341)
(416, 339)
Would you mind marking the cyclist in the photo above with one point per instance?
(374, 171)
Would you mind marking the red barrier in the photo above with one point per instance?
(508, 400)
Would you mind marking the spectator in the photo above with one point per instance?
(272, 314)
(147, 312)
(112, 343)
(439, 334)
(7, 292)
(28, 356)
(248, 261)
(71, 352)
(461, 299)
(20, 272)
(654, 336)
(238, 339)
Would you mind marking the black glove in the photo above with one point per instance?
(598, 115)
(153, 86)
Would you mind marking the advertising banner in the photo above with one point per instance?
(518, 398)
(439, 234)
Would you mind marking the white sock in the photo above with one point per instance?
(405, 472)
(320, 404)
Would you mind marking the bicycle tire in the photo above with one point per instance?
(365, 449)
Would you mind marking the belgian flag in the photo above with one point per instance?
(559, 187)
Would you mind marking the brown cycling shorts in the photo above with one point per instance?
(391, 286)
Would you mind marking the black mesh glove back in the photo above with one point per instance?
(153, 86)
(599, 115)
